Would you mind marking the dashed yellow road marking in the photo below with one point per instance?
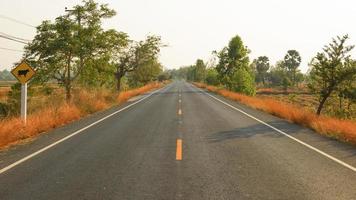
(179, 149)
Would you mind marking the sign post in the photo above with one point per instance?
(23, 72)
(24, 102)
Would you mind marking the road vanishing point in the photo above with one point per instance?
(179, 142)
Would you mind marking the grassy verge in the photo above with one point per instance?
(344, 130)
(85, 102)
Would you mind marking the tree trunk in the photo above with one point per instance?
(321, 104)
(68, 81)
(118, 76)
(118, 84)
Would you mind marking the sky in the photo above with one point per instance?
(192, 29)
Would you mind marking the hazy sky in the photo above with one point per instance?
(194, 28)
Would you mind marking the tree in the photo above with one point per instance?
(244, 82)
(292, 61)
(60, 49)
(145, 73)
(231, 58)
(211, 76)
(138, 54)
(331, 68)
(199, 74)
(262, 66)
(99, 69)
(277, 73)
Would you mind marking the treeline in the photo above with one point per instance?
(332, 72)
(74, 49)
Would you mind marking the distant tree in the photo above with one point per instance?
(330, 69)
(262, 66)
(145, 73)
(138, 54)
(212, 76)
(244, 82)
(276, 74)
(165, 75)
(199, 74)
(292, 61)
(232, 58)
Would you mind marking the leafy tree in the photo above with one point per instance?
(199, 74)
(138, 54)
(292, 61)
(145, 73)
(165, 75)
(277, 74)
(262, 66)
(331, 68)
(244, 82)
(99, 69)
(212, 76)
(60, 49)
(234, 56)
(190, 73)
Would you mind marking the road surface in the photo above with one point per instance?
(179, 143)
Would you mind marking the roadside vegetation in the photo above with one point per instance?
(332, 127)
(81, 68)
(323, 99)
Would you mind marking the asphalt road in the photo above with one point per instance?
(180, 143)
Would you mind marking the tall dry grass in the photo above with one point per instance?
(84, 102)
(344, 130)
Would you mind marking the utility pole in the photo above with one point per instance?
(79, 18)
(76, 11)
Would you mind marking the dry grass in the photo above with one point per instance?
(344, 130)
(53, 115)
(124, 96)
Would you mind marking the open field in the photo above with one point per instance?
(7, 83)
(340, 129)
(310, 102)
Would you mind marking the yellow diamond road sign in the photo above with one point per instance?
(23, 72)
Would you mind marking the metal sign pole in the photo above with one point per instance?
(24, 102)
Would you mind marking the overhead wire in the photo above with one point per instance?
(15, 40)
(14, 37)
(17, 21)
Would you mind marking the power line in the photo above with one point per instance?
(14, 37)
(17, 21)
(3, 36)
(7, 49)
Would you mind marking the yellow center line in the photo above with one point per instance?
(179, 149)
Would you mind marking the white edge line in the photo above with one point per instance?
(73, 134)
(283, 133)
